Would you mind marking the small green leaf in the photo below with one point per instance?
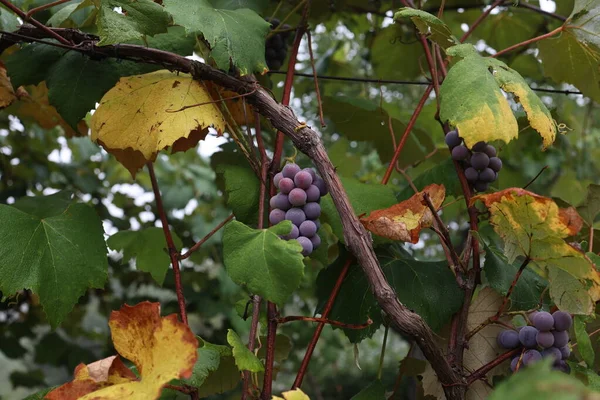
(235, 36)
(208, 361)
(224, 378)
(54, 248)
(584, 344)
(587, 375)
(429, 25)
(374, 391)
(148, 247)
(244, 358)
(259, 260)
(64, 13)
(569, 293)
(255, 5)
(8, 20)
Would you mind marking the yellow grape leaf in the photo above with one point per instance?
(162, 349)
(404, 221)
(7, 93)
(144, 114)
(293, 395)
(234, 104)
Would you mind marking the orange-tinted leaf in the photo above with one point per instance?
(7, 93)
(162, 349)
(234, 103)
(404, 221)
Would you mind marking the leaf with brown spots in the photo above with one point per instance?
(144, 114)
(404, 221)
(162, 349)
(7, 93)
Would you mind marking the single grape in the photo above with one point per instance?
(270, 52)
(562, 366)
(280, 201)
(296, 215)
(545, 339)
(480, 186)
(277, 178)
(531, 356)
(308, 228)
(565, 351)
(552, 352)
(312, 172)
(290, 170)
(274, 64)
(495, 164)
(490, 150)
(479, 146)
(312, 210)
(543, 321)
(320, 183)
(276, 41)
(514, 363)
(508, 339)
(460, 153)
(293, 234)
(297, 197)
(306, 244)
(527, 335)
(480, 161)
(276, 216)
(561, 338)
(487, 175)
(313, 193)
(471, 174)
(316, 241)
(286, 185)
(303, 180)
(562, 320)
(452, 139)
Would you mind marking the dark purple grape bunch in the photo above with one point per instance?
(548, 337)
(300, 192)
(276, 45)
(481, 163)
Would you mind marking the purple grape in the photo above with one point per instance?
(480, 186)
(452, 139)
(308, 228)
(276, 216)
(293, 234)
(489, 150)
(561, 338)
(320, 183)
(562, 366)
(290, 170)
(543, 321)
(307, 246)
(280, 201)
(495, 164)
(312, 173)
(303, 180)
(562, 320)
(318, 223)
(471, 174)
(508, 339)
(312, 210)
(460, 153)
(514, 362)
(545, 339)
(316, 241)
(487, 175)
(565, 351)
(296, 215)
(532, 315)
(527, 335)
(552, 352)
(531, 356)
(297, 197)
(278, 177)
(313, 193)
(480, 161)
(479, 146)
(286, 185)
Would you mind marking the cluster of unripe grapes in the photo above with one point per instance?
(547, 337)
(300, 191)
(276, 45)
(481, 163)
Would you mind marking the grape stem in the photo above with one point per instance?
(545, 167)
(482, 371)
(529, 41)
(196, 246)
(343, 325)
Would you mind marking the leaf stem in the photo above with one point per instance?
(343, 325)
(480, 19)
(44, 7)
(314, 70)
(27, 18)
(196, 246)
(529, 41)
(480, 373)
(382, 355)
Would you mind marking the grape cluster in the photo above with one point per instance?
(300, 192)
(276, 45)
(548, 337)
(481, 163)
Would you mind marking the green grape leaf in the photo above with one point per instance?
(208, 361)
(235, 36)
(364, 199)
(443, 173)
(54, 248)
(584, 21)
(8, 20)
(374, 391)
(569, 293)
(591, 207)
(395, 55)
(244, 358)
(215, 370)
(429, 25)
(513, 25)
(540, 381)
(143, 17)
(587, 375)
(259, 260)
(148, 247)
(255, 5)
(471, 100)
(584, 344)
(283, 346)
(224, 378)
(41, 395)
(64, 13)
(500, 275)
